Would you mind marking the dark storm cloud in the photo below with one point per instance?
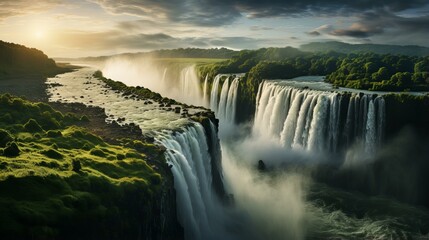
(195, 12)
(221, 12)
(257, 8)
(380, 22)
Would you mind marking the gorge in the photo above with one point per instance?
(304, 159)
(309, 139)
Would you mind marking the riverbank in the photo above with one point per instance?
(87, 178)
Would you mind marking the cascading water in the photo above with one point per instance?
(214, 94)
(192, 150)
(316, 120)
(199, 209)
(225, 104)
(220, 113)
(190, 91)
(206, 101)
(265, 206)
(179, 83)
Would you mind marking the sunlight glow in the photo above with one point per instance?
(39, 34)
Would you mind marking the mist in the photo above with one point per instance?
(173, 79)
(274, 206)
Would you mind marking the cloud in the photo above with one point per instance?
(294, 8)
(221, 12)
(385, 23)
(314, 33)
(116, 40)
(260, 28)
(10, 8)
(195, 12)
(359, 30)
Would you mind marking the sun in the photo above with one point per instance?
(39, 34)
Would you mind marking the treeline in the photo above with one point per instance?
(365, 48)
(194, 53)
(362, 71)
(17, 59)
(215, 53)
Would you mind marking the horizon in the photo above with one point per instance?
(83, 28)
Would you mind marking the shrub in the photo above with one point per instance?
(32, 126)
(11, 150)
(5, 138)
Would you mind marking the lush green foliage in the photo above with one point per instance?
(365, 48)
(53, 186)
(382, 72)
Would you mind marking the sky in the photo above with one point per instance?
(78, 28)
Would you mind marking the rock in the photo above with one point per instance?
(177, 109)
(261, 165)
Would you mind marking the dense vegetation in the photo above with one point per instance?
(382, 72)
(18, 59)
(58, 181)
(362, 71)
(365, 48)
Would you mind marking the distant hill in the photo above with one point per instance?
(341, 47)
(18, 59)
(218, 53)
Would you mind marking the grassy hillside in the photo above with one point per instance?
(23, 71)
(17, 59)
(58, 181)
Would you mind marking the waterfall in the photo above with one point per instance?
(214, 96)
(164, 77)
(225, 105)
(231, 103)
(315, 120)
(223, 98)
(206, 102)
(190, 91)
(199, 209)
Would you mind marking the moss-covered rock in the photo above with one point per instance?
(32, 126)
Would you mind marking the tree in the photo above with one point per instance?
(380, 75)
(422, 66)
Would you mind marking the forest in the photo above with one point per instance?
(367, 71)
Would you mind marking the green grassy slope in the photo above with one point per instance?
(59, 181)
